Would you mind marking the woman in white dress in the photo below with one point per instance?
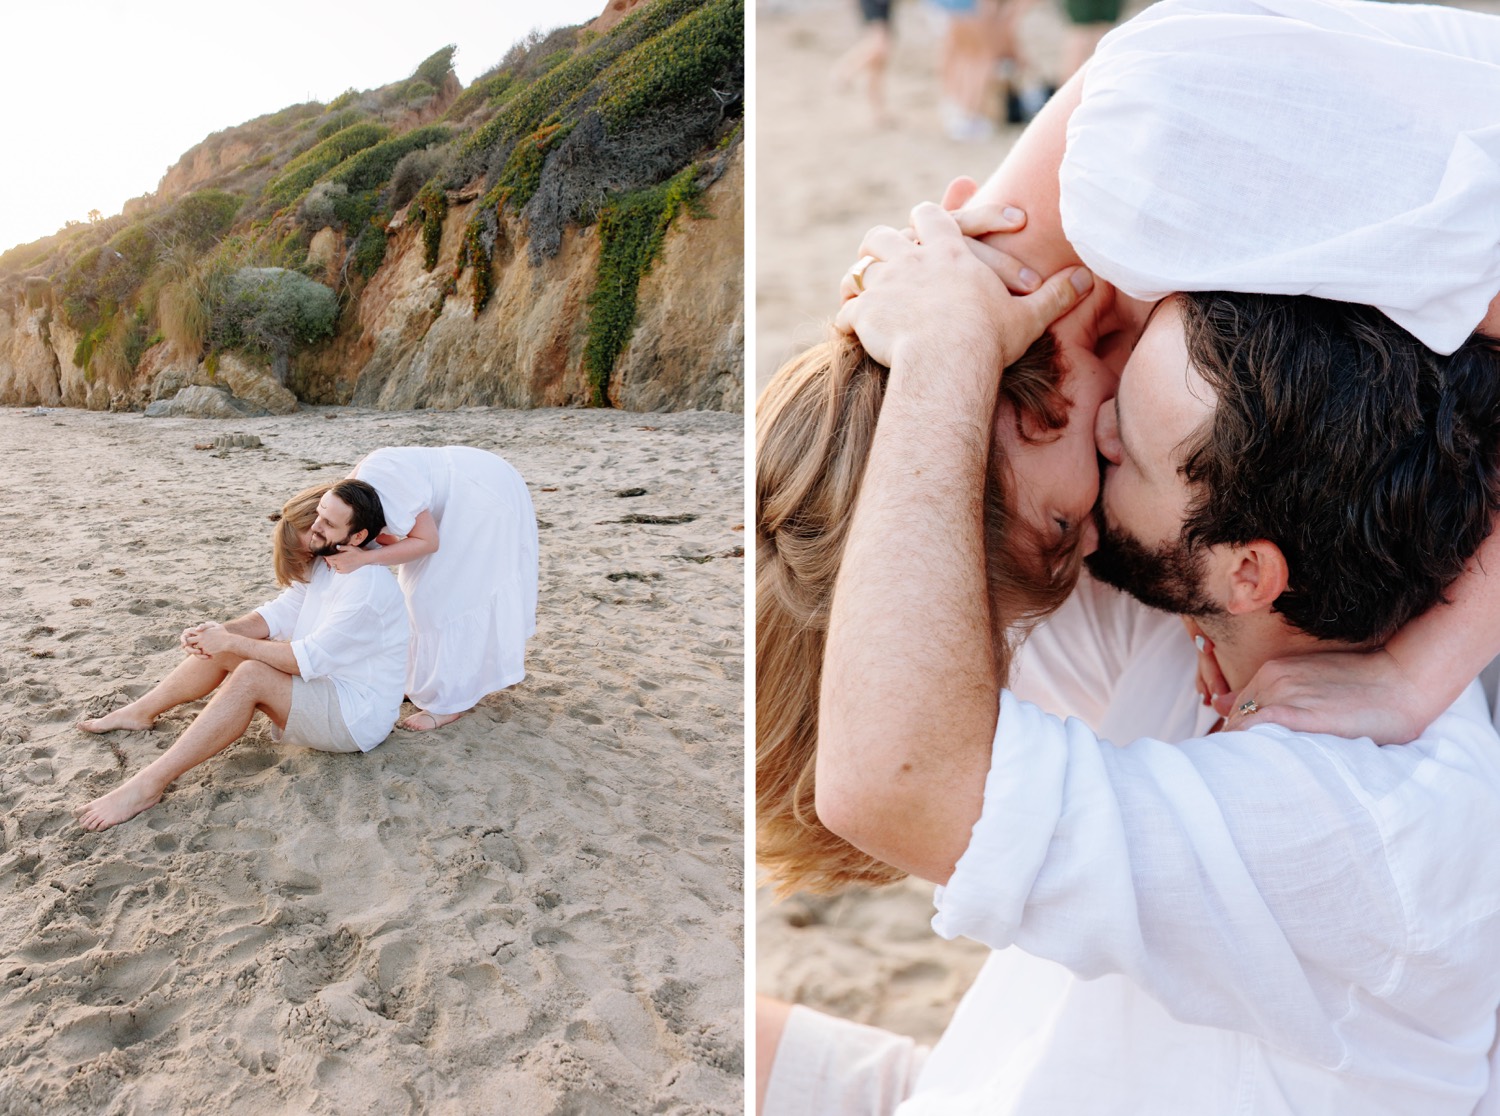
(461, 532)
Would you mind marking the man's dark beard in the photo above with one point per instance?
(1168, 577)
(332, 548)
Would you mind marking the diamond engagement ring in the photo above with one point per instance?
(858, 274)
(1247, 707)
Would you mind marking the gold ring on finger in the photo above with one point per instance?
(858, 274)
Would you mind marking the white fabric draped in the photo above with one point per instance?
(1337, 148)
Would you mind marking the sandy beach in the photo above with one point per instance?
(537, 909)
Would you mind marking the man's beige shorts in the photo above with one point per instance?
(827, 1066)
(315, 720)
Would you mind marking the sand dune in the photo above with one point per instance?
(537, 909)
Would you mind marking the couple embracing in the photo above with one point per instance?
(1209, 886)
(329, 660)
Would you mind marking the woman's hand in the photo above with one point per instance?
(347, 560)
(1212, 686)
(1344, 693)
(930, 293)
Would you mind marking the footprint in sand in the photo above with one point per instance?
(498, 846)
(317, 961)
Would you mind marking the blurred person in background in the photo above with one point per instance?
(868, 58)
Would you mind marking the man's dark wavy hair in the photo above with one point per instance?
(364, 502)
(1370, 460)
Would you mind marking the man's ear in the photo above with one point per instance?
(358, 539)
(1257, 576)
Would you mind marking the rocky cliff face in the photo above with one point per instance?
(36, 362)
(408, 345)
(412, 348)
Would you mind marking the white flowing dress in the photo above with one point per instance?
(1335, 148)
(472, 603)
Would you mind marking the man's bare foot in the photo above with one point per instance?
(426, 722)
(121, 804)
(117, 719)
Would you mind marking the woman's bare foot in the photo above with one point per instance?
(426, 722)
(120, 718)
(121, 804)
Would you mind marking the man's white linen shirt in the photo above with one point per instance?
(353, 629)
(1257, 922)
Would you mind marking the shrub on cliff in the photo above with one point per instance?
(195, 223)
(317, 161)
(272, 311)
(436, 67)
(374, 166)
(486, 90)
(185, 312)
(632, 229)
(321, 205)
(488, 148)
(415, 168)
(338, 120)
(626, 113)
(676, 65)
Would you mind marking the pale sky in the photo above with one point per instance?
(99, 97)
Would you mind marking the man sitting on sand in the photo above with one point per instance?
(326, 660)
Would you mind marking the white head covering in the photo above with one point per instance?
(1337, 148)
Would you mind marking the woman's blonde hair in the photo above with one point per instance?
(814, 425)
(291, 560)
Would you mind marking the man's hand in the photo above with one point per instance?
(347, 560)
(208, 640)
(188, 640)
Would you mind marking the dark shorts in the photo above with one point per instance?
(1092, 11)
(875, 11)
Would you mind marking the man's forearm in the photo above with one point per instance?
(248, 639)
(272, 652)
(252, 624)
(909, 698)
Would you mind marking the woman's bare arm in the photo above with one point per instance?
(419, 542)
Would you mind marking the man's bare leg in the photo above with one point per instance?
(250, 686)
(189, 681)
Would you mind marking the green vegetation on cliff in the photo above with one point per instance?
(631, 231)
(608, 129)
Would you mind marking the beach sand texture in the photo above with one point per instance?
(826, 174)
(538, 909)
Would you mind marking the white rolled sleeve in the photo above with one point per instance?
(339, 643)
(281, 614)
(1264, 882)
